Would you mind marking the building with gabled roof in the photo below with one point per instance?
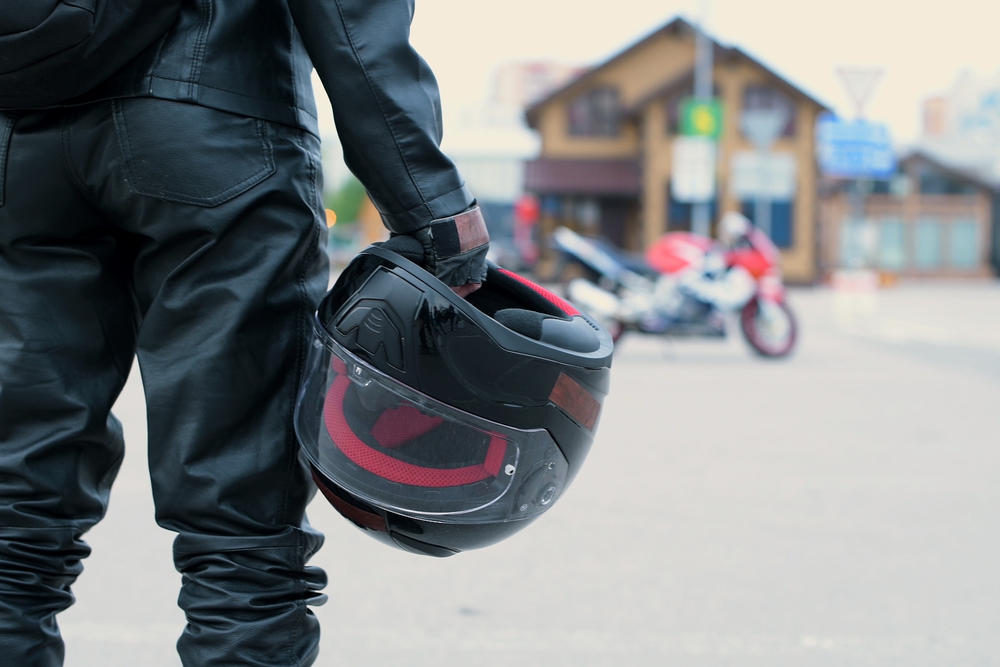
(607, 138)
(932, 219)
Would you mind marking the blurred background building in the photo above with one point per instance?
(609, 137)
(961, 126)
(606, 149)
(930, 219)
(490, 145)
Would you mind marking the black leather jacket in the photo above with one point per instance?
(255, 57)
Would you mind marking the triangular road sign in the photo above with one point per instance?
(860, 83)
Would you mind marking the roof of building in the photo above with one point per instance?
(722, 53)
(919, 155)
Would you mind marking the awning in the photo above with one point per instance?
(583, 177)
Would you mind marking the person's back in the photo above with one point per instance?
(174, 211)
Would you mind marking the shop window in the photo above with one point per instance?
(679, 213)
(892, 244)
(936, 183)
(782, 220)
(857, 241)
(927, 253)
(595, 113)
(759, 98)
(963, 244)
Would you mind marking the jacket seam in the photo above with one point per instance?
(151, 74)
(426, 205)
(226, 90)
(6, 133)
(200, 47)
(291, 62)
(392, 131)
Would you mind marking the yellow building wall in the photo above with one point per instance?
(799, 261)
(641, 73)
(635, 74)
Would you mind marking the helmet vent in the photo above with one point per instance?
(374, 330)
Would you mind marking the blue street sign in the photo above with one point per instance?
(854, 149)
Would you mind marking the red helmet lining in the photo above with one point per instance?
(557, 301)
(390, 468)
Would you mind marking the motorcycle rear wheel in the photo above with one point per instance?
(771, 330)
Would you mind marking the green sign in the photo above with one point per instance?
(701, 118)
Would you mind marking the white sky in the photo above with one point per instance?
(922, 46)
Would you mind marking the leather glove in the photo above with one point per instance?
(453, 249)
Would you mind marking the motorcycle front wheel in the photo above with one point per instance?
(769, 327)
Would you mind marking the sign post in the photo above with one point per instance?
(763, 127)
(859, 151)
(693, 168)
(701, 222)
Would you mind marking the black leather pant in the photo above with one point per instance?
(191, 237)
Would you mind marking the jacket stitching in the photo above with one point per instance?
(5, 135)
(156, 63)
(199, 49)
(291, 61)
(427, 204)
(226, 90)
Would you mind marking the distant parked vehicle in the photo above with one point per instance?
(685, 284)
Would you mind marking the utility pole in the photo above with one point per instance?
(860, 84)
(701, 222)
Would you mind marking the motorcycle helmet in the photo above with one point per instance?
(439, 424)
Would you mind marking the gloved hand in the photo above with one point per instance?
(453, 249)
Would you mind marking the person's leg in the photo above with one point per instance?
(228, 283)
(67, 337)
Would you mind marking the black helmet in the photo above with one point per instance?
(439, 424)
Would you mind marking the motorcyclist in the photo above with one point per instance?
(175, 211)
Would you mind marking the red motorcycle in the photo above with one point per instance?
(685, 284)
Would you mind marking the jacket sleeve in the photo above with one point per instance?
(386, 106)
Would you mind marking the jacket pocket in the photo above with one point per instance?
(191, 154)
(6, 129)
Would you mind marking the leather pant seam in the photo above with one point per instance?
(67, 155)
(299, 604)
(302, 332)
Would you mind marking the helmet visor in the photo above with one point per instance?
(404, 451)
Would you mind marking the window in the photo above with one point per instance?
(856, 242)
(781, 220)
(758, 98)
(928, 247)
(595, 114)
(964, 244)
(892, 244)
(936, 183)
(679, 213)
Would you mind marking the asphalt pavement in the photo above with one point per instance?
(841, 507)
